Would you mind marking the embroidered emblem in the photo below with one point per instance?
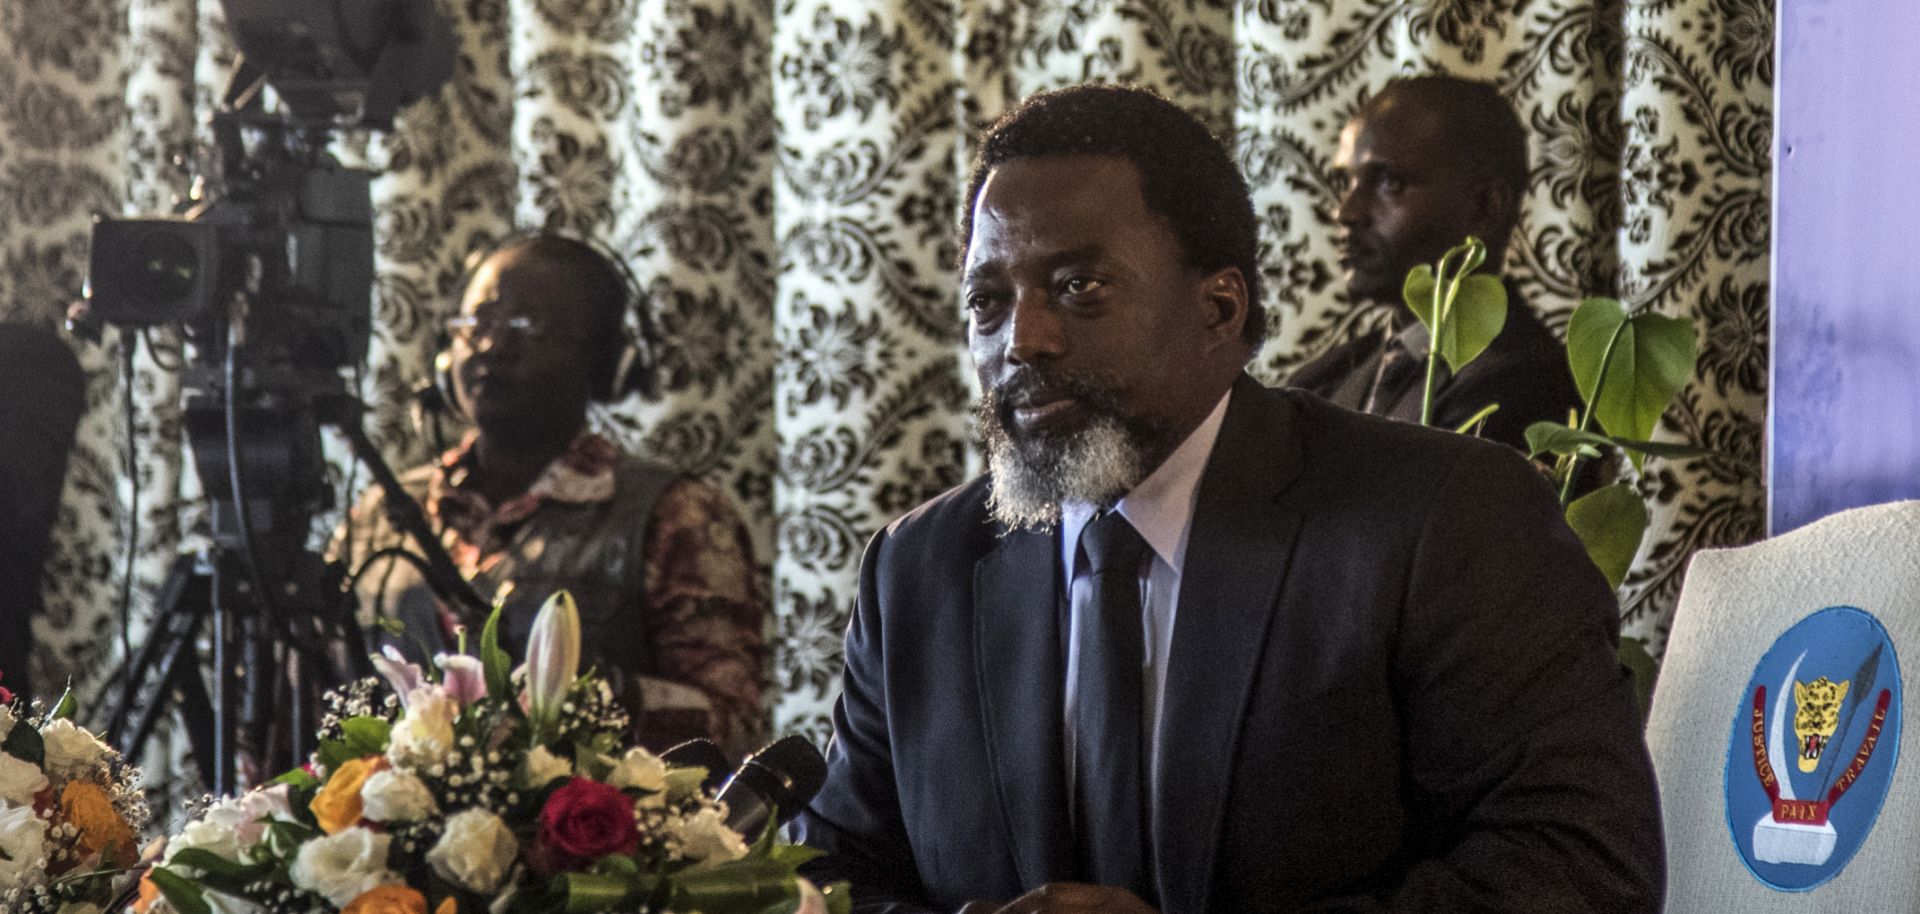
(1833, 682)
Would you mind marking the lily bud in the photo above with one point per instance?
(553, 656)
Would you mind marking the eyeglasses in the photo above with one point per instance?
(468, 327)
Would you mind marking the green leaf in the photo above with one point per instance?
(592, 892)
(1554, 438)
(749, 884)
(332, 753)
(63, 709)
(494, 661)
(839, 898)
(181, 895)
(1652, 358)
(24, 743)
(207, 863)
(1666, 449)
(1469, 427)
(297, 778)
(366, 735)
(793, 855)
(1478, 313)
(1610, 522)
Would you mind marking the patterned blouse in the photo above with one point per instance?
(659, 564)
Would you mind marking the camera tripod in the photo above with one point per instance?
(272, 653)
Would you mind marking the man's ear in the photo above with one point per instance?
(1496, 212)
(1224, 294)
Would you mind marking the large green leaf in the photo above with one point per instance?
(1653, 357)
(1610, 522)
(1479, 312)
(181, 894)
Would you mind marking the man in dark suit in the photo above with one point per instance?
(42, 396)
(1193, 645)
(1425, 163)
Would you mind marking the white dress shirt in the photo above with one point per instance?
(1160, 508)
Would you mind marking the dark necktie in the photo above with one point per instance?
(1109, 748)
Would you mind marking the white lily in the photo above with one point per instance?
(553, 657)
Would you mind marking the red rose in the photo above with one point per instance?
(585, 820)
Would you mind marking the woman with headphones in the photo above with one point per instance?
(532, 501)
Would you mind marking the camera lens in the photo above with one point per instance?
(164, 263)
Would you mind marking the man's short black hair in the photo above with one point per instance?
(1186, 174)
(1492, 139)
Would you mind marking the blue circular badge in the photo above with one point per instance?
(1815, 739)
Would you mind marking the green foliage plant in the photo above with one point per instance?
(1627, 368)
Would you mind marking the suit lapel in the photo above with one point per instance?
(1237, 553)
(1018, 651)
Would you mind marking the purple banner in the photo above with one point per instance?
(1844, 402)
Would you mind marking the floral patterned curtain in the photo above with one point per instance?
(783, 177)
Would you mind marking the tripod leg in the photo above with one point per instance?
(165, 658)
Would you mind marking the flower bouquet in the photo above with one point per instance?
(468, 789)
(70, 813)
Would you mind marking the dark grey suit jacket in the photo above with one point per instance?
(1392, 687)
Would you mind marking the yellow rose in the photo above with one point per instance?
(337, 806)
(85, 806)
(387, 899)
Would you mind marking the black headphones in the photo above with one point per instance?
(624, 365)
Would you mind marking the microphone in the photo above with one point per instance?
(780, 779)
(700, 753)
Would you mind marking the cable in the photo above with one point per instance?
(130, 341)
(418, 561)
(243, 526)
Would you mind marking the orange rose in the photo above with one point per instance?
(337, 806)
(149, 893)
(85, 806)
(387, 899)
(447, 906)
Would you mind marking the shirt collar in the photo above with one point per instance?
(1161, 506)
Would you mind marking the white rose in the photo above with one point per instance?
(345, 866)
(475, 851)
(640, 769)
(23, 845)
(705, 837)
(392, 795)
(19, 781)
(71, 751)
(544, 767)
(424, 737)
(6, 722)
(256, 809)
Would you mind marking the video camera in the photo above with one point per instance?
(269, 271)
(269, 274)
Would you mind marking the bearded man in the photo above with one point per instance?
(1194, 645)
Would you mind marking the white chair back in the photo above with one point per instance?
(1788, 782)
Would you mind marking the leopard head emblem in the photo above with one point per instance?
(1815, 717)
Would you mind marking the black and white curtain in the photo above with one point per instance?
(784, 177)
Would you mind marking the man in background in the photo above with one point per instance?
(1425, 163)
(42, 396)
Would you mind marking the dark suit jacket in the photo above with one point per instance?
(42, 396)
(1524, 370)
(1392, 686)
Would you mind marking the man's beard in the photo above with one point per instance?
(1034, 473)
